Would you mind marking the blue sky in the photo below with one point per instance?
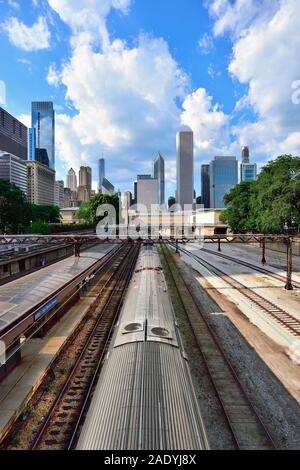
(126, 75)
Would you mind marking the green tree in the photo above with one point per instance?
(238, 213)
(14, 209)
(269, 203)
(88, 210)
(46, 213)
(278, 195)
(39, 227)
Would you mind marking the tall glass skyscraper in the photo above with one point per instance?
(159, 175)
(205, 186)
(43, 121)
(31, 144)
(101, 173)
(223, 177)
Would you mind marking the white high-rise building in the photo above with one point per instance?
(72, 180)
(185, 168)
(41, 183)
(147, 189)
(59, 194)
(14, 170)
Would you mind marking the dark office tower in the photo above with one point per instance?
(101, 173)
(159, 175)
(205, 186)
(171, 201)
(223, 177)
(245, 155)
(135, 193)
(43, 121)
(13, 135)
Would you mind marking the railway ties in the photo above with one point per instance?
(278, 314)
(251, 266)
(244, 426)
(59, 428)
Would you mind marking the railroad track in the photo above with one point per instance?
(280, 316)
(59, 428)
(251, 266)
(245, 427)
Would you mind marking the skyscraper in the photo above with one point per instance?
(13, 135)
(248, 170)
(14, 170)
(41, 183)
(59, 194)
(101, 173)
(72, 180)
(223, 177)
(185, 168)
(134, 201)
(85, 177)
(31, 144)
(43, 121)
(245, 155)
(205, 186)
(159, 175)
(147, 189)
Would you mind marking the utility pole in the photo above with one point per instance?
(289, 243)
(263, 244)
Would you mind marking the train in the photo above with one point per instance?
(144, 398)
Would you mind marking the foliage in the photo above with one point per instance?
(15, 211)
(46, 213)
(17, 214)
(88, 210)
(40, 227)
(268, 204)
(238, 213)
(62, 228)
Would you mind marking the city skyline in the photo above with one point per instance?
(206, 82)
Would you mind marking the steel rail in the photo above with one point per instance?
(92, 384)
(251, 266)
(116, 276)
(219, 349)
(285, 319)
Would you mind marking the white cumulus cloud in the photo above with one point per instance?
(87, 18)
(207, 120)
(28, 38)
(265, 58)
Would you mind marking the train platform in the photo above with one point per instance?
(37, 356)
(21, 295)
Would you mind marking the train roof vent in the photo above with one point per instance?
(161, 332)
(132, 328)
